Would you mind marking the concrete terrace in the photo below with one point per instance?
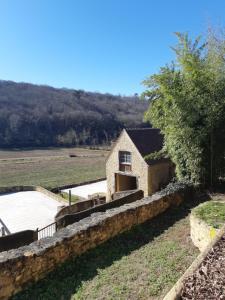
(88, 189)
(27, 210)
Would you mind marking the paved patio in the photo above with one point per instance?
(88, 189)
(27, 210)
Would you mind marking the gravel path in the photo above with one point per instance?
(208, 282)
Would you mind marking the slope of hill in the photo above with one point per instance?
(33, 115)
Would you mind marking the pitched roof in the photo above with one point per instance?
(146, 140)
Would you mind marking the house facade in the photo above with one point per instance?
(127, 167)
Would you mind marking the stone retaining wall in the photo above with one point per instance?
(30, 263)
(121, 194)
(15, 189)
(23, 188)
(50, 194)
(79, 206)
(201, 233)
(63, 221)
(18, 239)
(175, 292)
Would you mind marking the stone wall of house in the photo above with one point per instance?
(139, 166)
(159, 175)
(30, 263)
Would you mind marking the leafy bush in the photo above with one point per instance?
(175, 186)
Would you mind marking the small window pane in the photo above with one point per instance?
(125, 157)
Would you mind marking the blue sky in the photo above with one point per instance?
(96, 45)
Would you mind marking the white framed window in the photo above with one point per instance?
(125, 157)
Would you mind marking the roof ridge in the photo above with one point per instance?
(148, 128)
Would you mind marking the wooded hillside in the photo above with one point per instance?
(32, 115)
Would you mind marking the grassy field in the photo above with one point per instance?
(65, 196)
(143, 263)
(212, 212)
(51, 167)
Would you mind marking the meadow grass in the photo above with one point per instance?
(65, 196)
(51, 168)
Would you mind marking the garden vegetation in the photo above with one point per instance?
(187, 103)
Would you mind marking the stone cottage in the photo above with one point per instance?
(127, 167)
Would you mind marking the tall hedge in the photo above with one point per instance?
(188, 105)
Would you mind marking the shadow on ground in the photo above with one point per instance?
(64, 281)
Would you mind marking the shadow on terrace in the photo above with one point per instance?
(65, 280)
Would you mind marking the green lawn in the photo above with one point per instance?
(143, 263)
(213, 213)
(65, 196)
(51, 167)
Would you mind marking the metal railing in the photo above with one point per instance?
(3, 229)
(50, 229)
(47, 231)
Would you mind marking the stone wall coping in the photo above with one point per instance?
(175, 292)
(38, 247)
(69, 209)
(51, 194)
(62, 220)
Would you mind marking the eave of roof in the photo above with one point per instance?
(147, 141)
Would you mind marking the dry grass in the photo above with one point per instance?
(50, 167)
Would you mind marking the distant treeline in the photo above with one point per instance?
(32, 115)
